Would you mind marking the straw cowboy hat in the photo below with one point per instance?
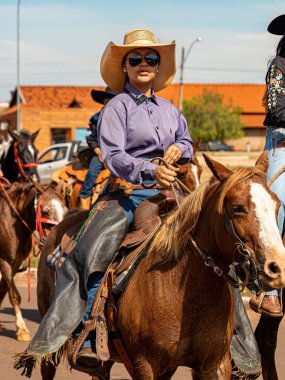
(112, 59)
(100, 96)
(277, 26)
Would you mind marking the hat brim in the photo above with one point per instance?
(277, 26)
(100, 96)
(112, 59)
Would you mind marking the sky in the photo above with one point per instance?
(61, 42)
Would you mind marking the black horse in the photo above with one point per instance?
(19, 162)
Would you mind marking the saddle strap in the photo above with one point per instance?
(112, 316)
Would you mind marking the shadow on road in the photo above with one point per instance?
(31, 315)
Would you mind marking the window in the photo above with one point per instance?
(60, 135)
(55, 154)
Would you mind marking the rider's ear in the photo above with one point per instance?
(219, 170)
(34, 135)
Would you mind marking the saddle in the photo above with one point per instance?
(103, 316)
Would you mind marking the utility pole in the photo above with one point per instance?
(18, 68)
(183, 60)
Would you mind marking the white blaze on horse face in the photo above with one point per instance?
(265, 208)
(195, 172)
(31, 149)
(59, 209)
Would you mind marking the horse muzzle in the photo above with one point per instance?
(273, 276)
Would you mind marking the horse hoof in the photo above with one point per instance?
(23, 336)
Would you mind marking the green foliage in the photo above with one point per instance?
(209, 119)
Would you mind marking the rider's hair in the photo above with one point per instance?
(280, 51)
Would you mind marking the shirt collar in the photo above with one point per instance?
(137, 96)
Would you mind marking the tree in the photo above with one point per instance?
(209, 119)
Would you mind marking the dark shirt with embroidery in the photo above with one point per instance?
(275, 82)
(92, 139)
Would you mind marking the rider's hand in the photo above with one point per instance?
(172, 154)
(164, 176)
(98, 153)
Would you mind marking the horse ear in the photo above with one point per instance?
(219, 170)
(196, 146)
(15, 136)
(38, 186)
(34, 135)
(262, 161)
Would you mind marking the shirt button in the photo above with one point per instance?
(150, 111)
(157, 127)
(162, 145)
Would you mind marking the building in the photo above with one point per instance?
(62, 112)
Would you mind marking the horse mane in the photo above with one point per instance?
(172, 238)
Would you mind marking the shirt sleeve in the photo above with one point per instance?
(183, 139)
(276, 94)
(112, 139)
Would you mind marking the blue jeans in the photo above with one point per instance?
(94, 169)
(275, 138)
(130, 203)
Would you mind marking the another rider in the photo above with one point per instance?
(269, 304)
(96, 164)
(134, 127)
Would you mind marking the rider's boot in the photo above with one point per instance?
(85, 203)
(266, 304)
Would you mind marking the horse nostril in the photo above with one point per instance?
(272, 269)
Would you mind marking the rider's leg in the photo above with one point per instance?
(94, 169)
(275, 144)
(130, 204)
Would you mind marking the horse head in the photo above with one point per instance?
(231, 219)
(246, 224)
(21, 159)
(50, 208)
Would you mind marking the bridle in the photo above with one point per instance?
(20, 165)
(39, 219)
(243, 262)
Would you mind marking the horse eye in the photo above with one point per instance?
(238, 209)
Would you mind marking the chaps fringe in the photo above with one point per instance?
(26, 361)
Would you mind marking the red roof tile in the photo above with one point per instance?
(58, 96)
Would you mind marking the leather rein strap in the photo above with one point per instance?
(20, 165)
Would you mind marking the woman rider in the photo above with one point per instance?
(134, 127)
(269, 303)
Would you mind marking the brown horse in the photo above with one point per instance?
(21, 205)
(176, 311)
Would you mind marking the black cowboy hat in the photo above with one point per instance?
(277, 26)
(100, 96)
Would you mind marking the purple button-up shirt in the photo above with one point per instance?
(133, 129)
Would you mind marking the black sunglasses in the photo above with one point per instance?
(151, 59)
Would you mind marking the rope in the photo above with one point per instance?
(276, 175)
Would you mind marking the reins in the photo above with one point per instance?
(38, 227)
(20, 165)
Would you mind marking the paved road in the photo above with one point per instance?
(9, 346)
